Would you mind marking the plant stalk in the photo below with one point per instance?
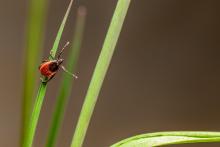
(32, 125)
(100, 72)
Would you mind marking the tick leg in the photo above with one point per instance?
(51, 77)
(61, 51)
(64, 69)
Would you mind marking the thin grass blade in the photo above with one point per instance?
(168, 138)
(41, 92)
(66, 85)
(60, 31)
(100, 72)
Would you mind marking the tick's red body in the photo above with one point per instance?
(50, 68)
(45, 69)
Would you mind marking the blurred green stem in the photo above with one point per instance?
(66, 85)
(100, 72)
(35, 27)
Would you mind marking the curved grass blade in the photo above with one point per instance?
(168, 138)
(34, 38)
(66, 85)
(41, 92)
(100, 72)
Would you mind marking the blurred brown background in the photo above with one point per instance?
(164, 75)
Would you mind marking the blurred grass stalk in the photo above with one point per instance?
(34, 37)
(32, 124)
(100, 72)
(66, 85)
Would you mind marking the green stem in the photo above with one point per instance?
(35, 115)
(41, 92)
(66, 85)
(60, 31)
(35, 27)
(100, 72)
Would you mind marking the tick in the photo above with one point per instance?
(49, 68)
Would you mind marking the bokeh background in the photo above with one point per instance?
(164, 74)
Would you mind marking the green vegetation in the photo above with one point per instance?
(168, 138)
(100, 72)
(34, 43)
(30, 132)
(34, 37)
(66, 81)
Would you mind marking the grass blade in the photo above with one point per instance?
(60, 31)
(66, 85)
(35, 116)
(168, 138)
(35, 27)
(41, 92)
(100, 72)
